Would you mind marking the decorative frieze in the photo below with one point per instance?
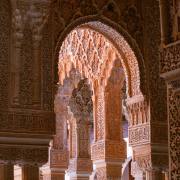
(24, 154)
(25, 122)
(139, 134)
(98, 150)
(138, 110)
(108, 150)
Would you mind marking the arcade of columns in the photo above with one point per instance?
(97, 45)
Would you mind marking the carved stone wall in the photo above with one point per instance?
(5, 24)
(174, 124)
(33, 32)
(169, 69)
(22, 118)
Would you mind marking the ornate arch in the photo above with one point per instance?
(116, 44)
(125, 47)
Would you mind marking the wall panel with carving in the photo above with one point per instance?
(5, 24)
(47, 67)
(174, 133)
(26, 81)
(157, 87)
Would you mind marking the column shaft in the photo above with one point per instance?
(6, 172)
(30, 172)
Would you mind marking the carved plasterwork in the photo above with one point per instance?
(170, 58)
(108, 150)
(139, 134)
(98, 64)
(26, 122)
(24, 154)
(5, 15)
(174, 124)
(47, 67)
(28, 22)
(58, 158)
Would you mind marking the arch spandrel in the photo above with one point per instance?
(93, 52)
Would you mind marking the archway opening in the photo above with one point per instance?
(97, 53)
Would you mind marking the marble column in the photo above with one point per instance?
(58, 152)
(109, 149)
(6, 172)
(30, 172)
(80, 165)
